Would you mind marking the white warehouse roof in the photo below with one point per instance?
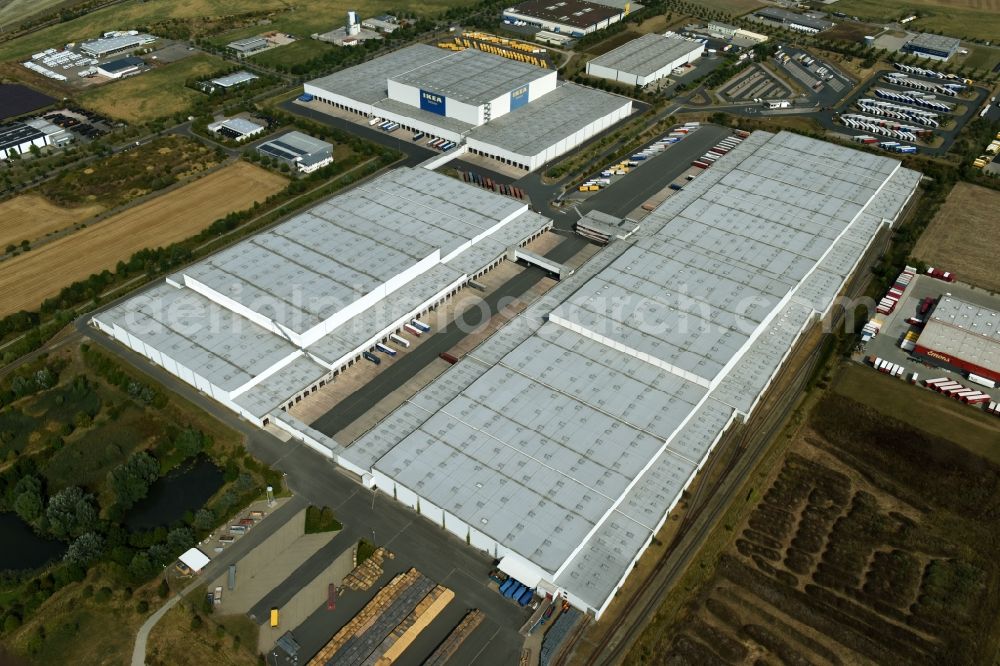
(648, 54)
(263, 319)
(561, 443)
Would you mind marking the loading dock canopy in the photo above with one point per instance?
(194, 559)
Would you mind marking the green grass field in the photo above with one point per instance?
(154, 94)
(979, 19)
(295, 53)
(981, 57)
(922, 409)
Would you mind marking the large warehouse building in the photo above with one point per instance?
(575, 18)
(962, 336)
(561, 443)
(646, 59)
(274, 317)
(506, 110)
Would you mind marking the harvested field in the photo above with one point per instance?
(26, 281)
(963, 236)
(30, 217)
(872, 542)
(612, 43)
(961, 18)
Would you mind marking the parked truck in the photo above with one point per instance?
(422, 326)
(940, 274)
(371, 357)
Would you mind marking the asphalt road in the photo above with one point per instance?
(406, 366)
(631, 191)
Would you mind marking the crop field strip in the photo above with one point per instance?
(30, 217)
(26, 280)
(960, 18)
(840, 562)
(963, 236)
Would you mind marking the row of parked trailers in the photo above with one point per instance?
(433, 142)
(415, 328)
(930, 73)
(902, 80)
(899, 112)
(891, 146)
(887, 367)
(886, 127)
(622, 168)
(957, 390)
(720, 149)
(489, 184)
(895, 293)
(915, 98)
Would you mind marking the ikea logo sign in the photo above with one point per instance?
(519, 97)
(432, 102)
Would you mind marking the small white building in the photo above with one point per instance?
(238, 129)
(645, 60)
(300, 151)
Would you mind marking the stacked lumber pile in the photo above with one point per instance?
(447, 649)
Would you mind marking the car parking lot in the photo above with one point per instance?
(824, 83)
(753, 84)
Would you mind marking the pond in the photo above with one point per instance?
(23, 549)
(186, 488)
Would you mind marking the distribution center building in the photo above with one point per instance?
(113, 43)
(560, 444)
(936, 47)
(568, 17)
(274, 317)
(962, 336)
(510, 111)
(298, 150)
(645, 60)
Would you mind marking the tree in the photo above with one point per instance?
(180, 539)
(141, 567)
(28, 499)
(204, 519)
(71, 512)
(190, 442)
(131, 480)
(85, 549)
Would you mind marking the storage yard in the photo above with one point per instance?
(963, 236)
(165, 219)
(388, 624)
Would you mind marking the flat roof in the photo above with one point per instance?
(471, 76)
(17, 99)
(785, 16)
(241, 125)
(366, 82)
(248, 43)
(122, 64)
(964, 330)
(545, 121)
(397, 240)
(569, 433)
(647, 54)
(234, 79)
(17, 133)
(294, 145)
(927, 40)
(194, 559)
(110, 44)
(576, 13)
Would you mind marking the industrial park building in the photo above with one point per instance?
(962, 336)
(122, 67)
(795, 21)
(561, 443)
(569, 17)
(506, 110)
(935, 47)
(17, 138)
(113, 43)
(299, 151)
(271, 319)
(645, 60)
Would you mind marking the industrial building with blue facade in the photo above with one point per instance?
(513, 112)
(934, 47)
